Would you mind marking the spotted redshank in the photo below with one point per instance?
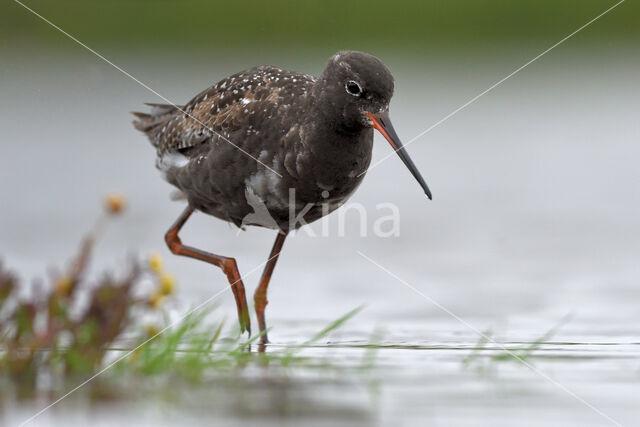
(272, 148)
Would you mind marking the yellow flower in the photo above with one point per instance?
(114, 203)
(152, 330)
(64, 286)
(155, 262)
(136, 355)
(167, 284)
(156, 299)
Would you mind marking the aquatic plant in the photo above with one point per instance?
(68, 326)
(77, 327)
(482, 356)
(194, 345)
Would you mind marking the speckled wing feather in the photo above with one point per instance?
(234, 103)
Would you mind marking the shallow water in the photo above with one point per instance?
(535, 216)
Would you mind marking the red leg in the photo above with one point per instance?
(228, 265)
(260, 296)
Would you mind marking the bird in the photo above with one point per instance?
(272, 148)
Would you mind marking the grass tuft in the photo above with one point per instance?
(519, 354)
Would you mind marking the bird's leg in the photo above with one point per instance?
(260, 296)
(228, 265)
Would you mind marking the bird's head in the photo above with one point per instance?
(358, 88)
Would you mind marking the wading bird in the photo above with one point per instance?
(272, 148)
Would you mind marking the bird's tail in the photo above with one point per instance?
(160, 114)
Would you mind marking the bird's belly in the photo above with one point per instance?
(288, 204)
(267, 201)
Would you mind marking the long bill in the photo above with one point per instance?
(382, 124)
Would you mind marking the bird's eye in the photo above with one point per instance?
(353, 88)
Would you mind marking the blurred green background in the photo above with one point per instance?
(330, 24)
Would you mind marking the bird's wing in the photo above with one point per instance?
(233, 103)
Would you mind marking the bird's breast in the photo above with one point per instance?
(331, 166)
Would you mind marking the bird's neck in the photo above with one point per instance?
(332, 155)
(332, 117)
(329, 130)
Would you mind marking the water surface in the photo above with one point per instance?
(535, 216)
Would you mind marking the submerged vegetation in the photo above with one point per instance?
(193, 345)
(484, 356)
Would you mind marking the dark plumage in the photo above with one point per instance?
(276, 148)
